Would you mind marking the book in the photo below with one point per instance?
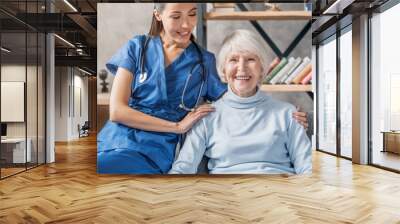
(299, 68)
(275, 70)
(302, 74)
(296, 64)
(273, 64)
(306, 79)
(283, 71)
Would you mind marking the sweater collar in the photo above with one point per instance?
(236, 101)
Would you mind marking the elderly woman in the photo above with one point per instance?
(249, 132)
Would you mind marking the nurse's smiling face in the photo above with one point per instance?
(243, 71)
(179, 20)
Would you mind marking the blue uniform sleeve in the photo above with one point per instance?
(299, 147)
(192, 151)
(215, 88)
(126, 57)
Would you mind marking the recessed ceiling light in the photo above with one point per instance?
(84, 71)
(64, 40)
(5, 50)
(338, 6)
(70, 5)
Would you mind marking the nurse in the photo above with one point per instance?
(160, 79)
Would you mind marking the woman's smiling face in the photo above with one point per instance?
(243, 72)
(179, 20)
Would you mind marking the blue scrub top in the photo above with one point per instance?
(159, 95)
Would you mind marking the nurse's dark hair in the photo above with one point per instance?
(157, 26)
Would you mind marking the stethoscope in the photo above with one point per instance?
(143, 75)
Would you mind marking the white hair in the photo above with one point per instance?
(242, 40)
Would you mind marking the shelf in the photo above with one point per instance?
(286, 88)
(259, 15)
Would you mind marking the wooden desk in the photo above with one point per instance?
(391, 141)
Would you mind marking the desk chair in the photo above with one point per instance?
(84, 130)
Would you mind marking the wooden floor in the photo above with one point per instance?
(5, 172)
(10, 171)
(70, 191)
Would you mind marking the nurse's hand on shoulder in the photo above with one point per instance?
(193, 117)
(301, 118)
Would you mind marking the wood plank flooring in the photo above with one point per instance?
(70, 191)
(10, 171)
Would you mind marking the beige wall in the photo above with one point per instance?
(114, 31)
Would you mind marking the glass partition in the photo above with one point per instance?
(41, 96)
(346, 94)
(31, 98)
(326, 135)
(22, 88)
(13, 95)
(385, 89)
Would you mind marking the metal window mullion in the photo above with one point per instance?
(69, 91)
(45, 94)
(316, 97)
(0, 95)
(26, 88)
(369, 81)
(338, 73)
(37, 90)
(73, 91)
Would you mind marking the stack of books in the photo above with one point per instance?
(289, 71)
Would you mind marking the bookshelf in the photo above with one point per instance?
(286, 88)
(264, 15)
(259, 15)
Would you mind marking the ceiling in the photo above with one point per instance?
(332, 15)
(74, 21)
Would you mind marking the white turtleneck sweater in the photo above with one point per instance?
(254, 135)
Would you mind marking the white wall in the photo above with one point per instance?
(79, 117)
(68, 83)
(61, 103)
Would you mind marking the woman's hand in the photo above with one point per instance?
(301, 117)
(192, 117)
